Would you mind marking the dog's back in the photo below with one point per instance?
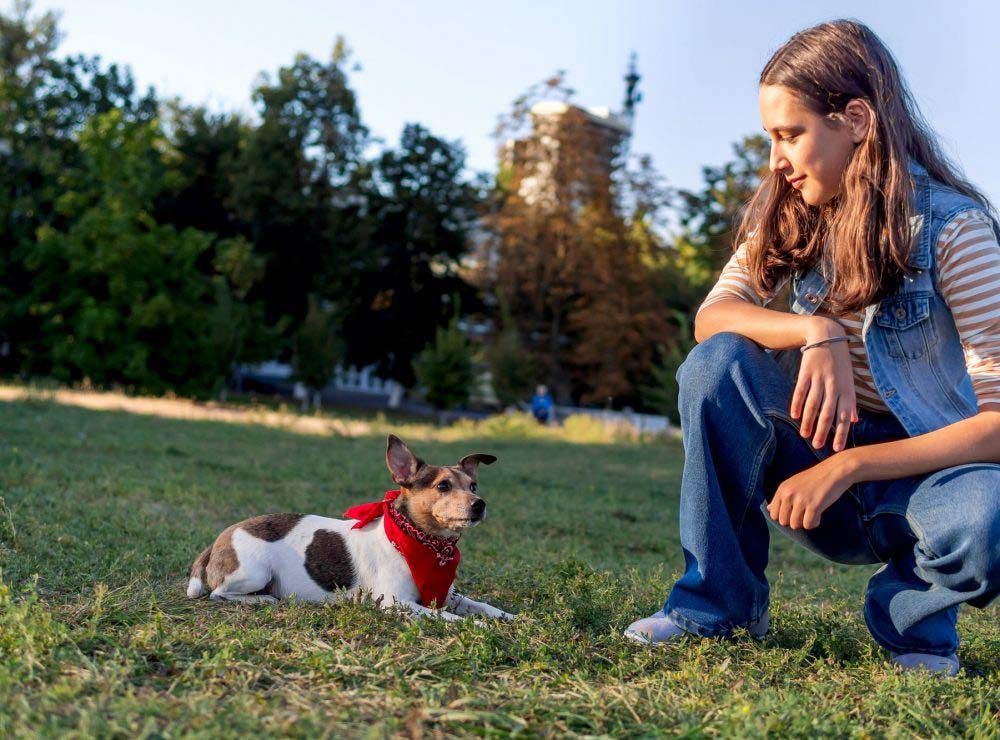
(313, 558)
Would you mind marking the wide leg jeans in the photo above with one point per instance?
(938, 535)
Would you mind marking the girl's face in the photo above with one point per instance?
(809, 150)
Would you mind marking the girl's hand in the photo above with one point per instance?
(824, 391)
(801, 500)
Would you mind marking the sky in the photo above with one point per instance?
(454, 66)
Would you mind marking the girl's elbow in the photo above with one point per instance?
(701, 331)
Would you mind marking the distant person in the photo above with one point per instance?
(882, 446)
(541, 405)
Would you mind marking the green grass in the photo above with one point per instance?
(102, 513)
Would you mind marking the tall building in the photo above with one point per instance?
(568, 150)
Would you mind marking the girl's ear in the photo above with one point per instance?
(859, 117)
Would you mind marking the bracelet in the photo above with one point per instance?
(822, 342)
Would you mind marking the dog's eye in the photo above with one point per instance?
(472, 486)
(444, 486)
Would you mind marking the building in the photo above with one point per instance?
(569, 152)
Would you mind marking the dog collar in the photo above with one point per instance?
(445, 548)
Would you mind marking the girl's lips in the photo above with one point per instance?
(797, 181)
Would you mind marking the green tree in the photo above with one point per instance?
(444, 370)
(44, 104)
(120, 298)
(661, 392)
(708, 218)
(294, 184)
(207, 147)
(421, 213)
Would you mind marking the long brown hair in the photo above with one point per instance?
(827, 66)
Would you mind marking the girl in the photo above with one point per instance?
(892, 265)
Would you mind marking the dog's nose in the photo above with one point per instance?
(479, 508)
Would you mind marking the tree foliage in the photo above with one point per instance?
(421, 213)
(120, 298)
(155, 245)
(318, 346)
(512, 368)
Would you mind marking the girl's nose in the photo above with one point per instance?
(777, 162)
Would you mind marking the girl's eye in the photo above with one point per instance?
(790, 138)
(472, 487)
(444, 486)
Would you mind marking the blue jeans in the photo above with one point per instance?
(938, 535)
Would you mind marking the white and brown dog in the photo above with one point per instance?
(402, 550)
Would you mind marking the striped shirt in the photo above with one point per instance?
(968, 276)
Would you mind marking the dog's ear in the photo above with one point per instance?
(403, 464)
(470, 463)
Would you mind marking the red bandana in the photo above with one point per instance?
(432, 560)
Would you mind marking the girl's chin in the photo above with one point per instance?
(811, 199)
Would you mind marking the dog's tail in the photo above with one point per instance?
(196, 584)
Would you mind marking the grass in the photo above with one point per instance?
(101, 514)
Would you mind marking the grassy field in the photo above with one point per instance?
(103, 512)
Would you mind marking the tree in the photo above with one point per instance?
(44, 104)
(120, 298)
(421, 213)
(709, 219)
(661, 393)
(512, 368)
(618, 320)
(563, 255)
(207, 147)
(293, 183)
(444, 370)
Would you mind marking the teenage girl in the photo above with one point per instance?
(883, 445)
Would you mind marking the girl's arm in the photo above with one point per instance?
(972, 440)
(968, 259)
(768, 328)
(824, 397)
(800, 501)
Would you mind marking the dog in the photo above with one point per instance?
(402, 550)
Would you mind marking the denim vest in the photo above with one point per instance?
(914, 350)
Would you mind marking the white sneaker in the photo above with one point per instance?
(661, 628)
(945, 665)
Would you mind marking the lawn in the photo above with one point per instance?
(102, 513)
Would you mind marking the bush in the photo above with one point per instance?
(444, 369)
(502, 426)
(317, 346)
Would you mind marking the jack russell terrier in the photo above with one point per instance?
(407, 559)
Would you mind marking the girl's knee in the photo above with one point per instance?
(710, 363)
(965, 527)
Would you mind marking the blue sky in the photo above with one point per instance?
(455, 66)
